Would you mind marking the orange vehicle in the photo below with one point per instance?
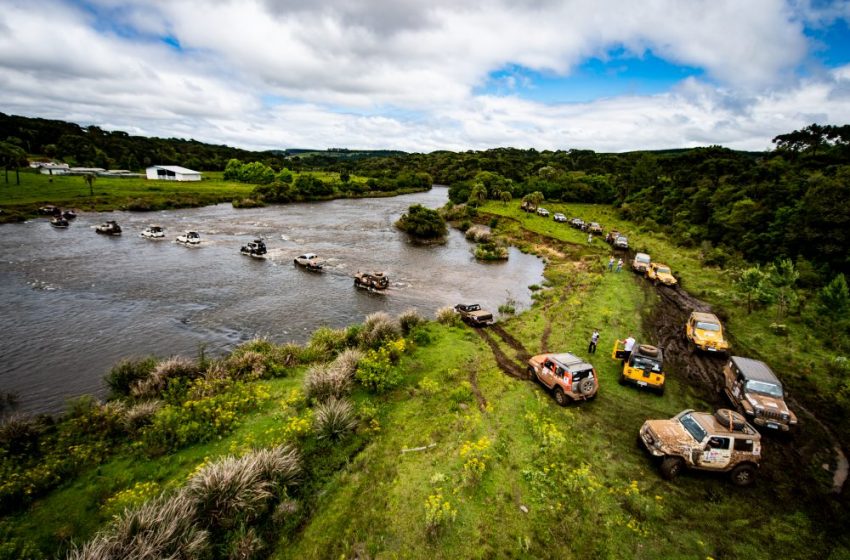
(566, 375)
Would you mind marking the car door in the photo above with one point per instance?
(717, 453)
(547, 373)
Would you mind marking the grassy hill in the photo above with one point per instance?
(455, 457)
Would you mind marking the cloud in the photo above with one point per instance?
(404, 73)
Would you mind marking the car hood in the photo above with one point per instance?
(666, 278)
(670, 433)
(769, 404)
(709, 336)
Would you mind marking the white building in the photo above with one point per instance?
(53, 168)
(172, 173)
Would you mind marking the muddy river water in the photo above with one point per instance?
(74, 302)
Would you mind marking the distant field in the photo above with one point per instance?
(35, 190)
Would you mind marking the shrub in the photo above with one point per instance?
(326, 343)
(245, 544)
(475, 455)
(247, 203)
(409, 320)
(126, 373)
(247, 364)
(20, 435)
(334, 418)
(447, 316)
(229, 491)
(491, 251)
(347, 360)
(161, 528)
(438, 513)
(376, 372)
(176, 367)
(462, 393)
(323, 382)
(377, 328)
(422, 222)
(140, 415)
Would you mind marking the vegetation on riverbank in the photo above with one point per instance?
(448, 456)
(422, 223)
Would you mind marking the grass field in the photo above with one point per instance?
(36, 190)
(514, 475)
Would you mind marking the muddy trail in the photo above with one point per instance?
(508, 366)
(703, 371)
(522, 353)
(479, 396)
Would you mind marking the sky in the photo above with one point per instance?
(413, 75)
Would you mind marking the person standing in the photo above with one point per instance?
(611, 263)
(589, 238)
(628, 345)
(594, 339)
(619, 265)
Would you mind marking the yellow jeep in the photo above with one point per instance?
(705, 332)
(643, 367)
(658, 272)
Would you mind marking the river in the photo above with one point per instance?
(74, 302)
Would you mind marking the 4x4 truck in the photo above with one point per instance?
(472, 314)
(658, 272)
(705, 332)
(720, 442)
(641, 262)
(643, 367)
(756, 392)
(566, 375)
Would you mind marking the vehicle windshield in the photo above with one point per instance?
(693, 427)
(663, 270)
(646, 364)
(703, 326)
(642, 259)
(764, 388)
(622, 239)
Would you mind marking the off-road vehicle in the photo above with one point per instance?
(641, 263)
(705, 332)
(256, 248)
(473, 315)
(721, 442)
(594, 227)
(621, 242)
(526, 206)
(643, 366)
(756, 392)
(566, 375)
(542, 212)
(577, 223)
(372, 281)
(558, 217)
(661, 273)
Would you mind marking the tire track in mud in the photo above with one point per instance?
(522, 353)
(704, 371)
(479, 396)
(503, 361)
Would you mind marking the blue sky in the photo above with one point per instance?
(611, 75)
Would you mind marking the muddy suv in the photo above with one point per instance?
(473, 315)
(756, 392)
(705, 332)
(641, 263)
(566, 375)
(643, 366)
(720, 442)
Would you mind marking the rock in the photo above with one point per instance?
(523, 509)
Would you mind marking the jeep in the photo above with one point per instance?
(473, 315)
(643, 366)
(705, 332)
(542, 212)
(566, 375)
(594, 227)
(721, 442)
(756, 392)
(621, 242)
(558, 217)
(641, 262)
(658, 272)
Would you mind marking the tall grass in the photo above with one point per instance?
(333, 419)
(409, 320)
(323, 382)
(447, 316)
(154, 384)
(378, 328)
(347, 360)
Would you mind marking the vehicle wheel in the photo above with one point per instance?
(660, 391)
(743, 475)
(671, 467)
(560, 397)
(531, 374)
(622, 380)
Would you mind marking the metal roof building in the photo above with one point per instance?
(172, 173)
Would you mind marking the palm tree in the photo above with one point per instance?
(90, 178)
(505, 197)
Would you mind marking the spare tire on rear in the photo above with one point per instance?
(648, 350)
(730, 419)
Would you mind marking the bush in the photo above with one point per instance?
(491, 251)
(229, 491)
(323, 382)
(334, 419)
(247, 203)
(448, 316)
(409, 320)
(422, 222)
(347, 360)
(376, 372)
(326, 343)
(174, 368)
(126, 373)
(438, 513)
(161, 528)
(377, 328)
(140, 415)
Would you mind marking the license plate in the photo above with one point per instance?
(710, 349)
(773, 426)
(641, 383)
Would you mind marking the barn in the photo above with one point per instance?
(172, 173)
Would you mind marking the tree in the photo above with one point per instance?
(536, 198)
(834, 305)
(783, 276)
(12, 156)
(233, 170)
(90, 178)
(422, 222)
(478, 194)
(751, 284)
(505, 197)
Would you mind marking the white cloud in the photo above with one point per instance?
(403, 73)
